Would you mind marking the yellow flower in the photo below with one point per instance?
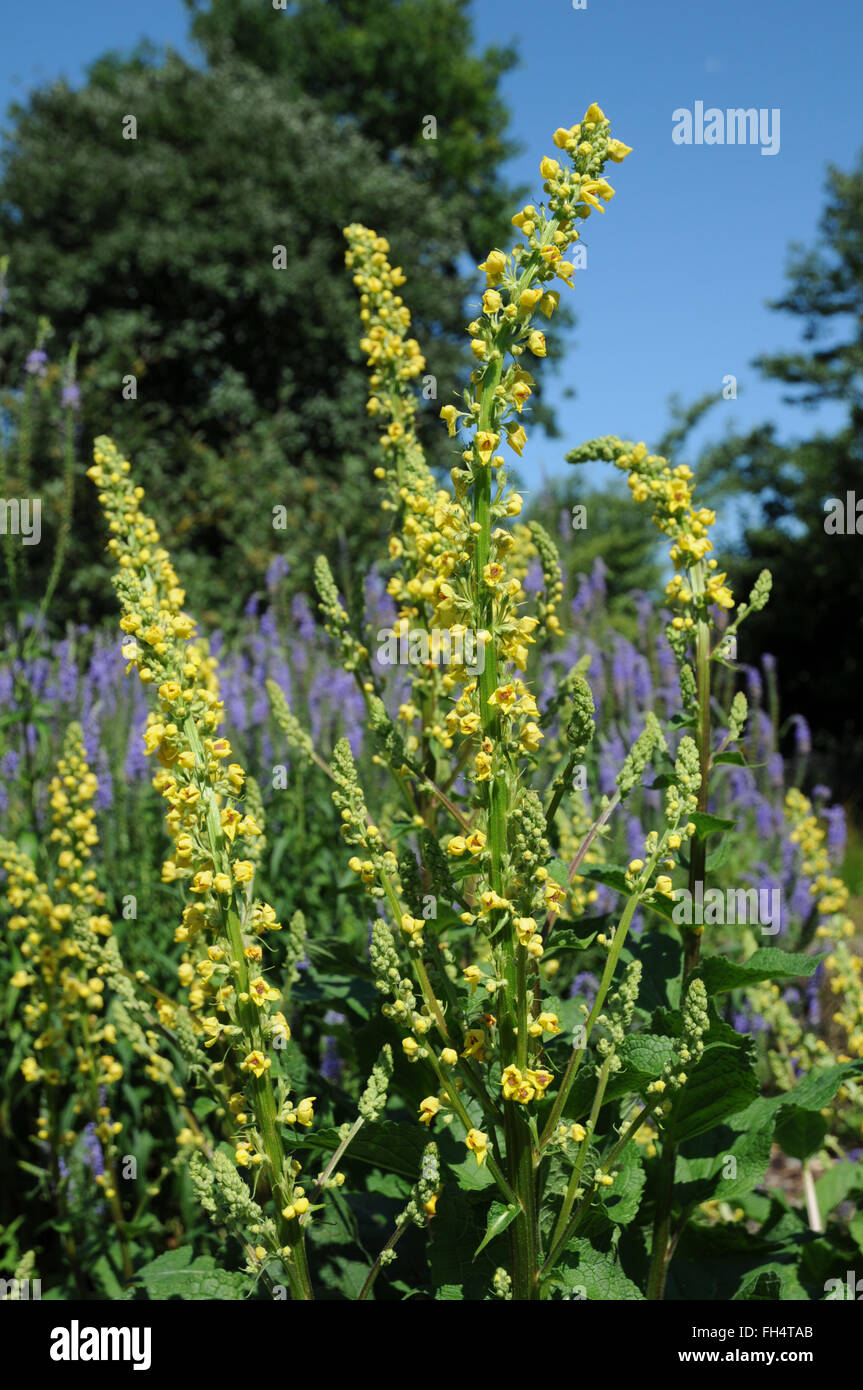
(524, 929)
(473, 975)
(305, 1111)
(257, 1063)
(261, 993)
(539, 1080)
(490, 901)
(536, 343)
(428, 1109)
(517, 1086)
(477, 1142)
(517, 438)
(549, 168)
(554, 896)
(494, 267)
(486, 443)
(504, 697)
(476, 842)
(719, 591)
(474, 1044)
(530, 736)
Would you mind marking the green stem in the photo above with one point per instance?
(607, 1164)
(604, 985)
(698, 847)
(575, 1175)
(662, 1247)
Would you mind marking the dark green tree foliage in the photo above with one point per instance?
(385, 67)
(157, 254)
(813, 624)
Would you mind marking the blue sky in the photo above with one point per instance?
(680, 268)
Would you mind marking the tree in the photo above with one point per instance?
(813, 624)
(145, 214)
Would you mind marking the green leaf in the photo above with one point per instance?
(701, 1170)
(457, 1230)
(855, 1230)
(499, 1217)
(814, 1092)
(559, 872)
(613, 876)
(730, 759)
(643, 1055)
(719, 857)
(799, 1132)
(773, 1282)
(621, 1201)
(709, 825)
(568, 940)
(836, 1184)
(595, 1275)
(177, 1274)
(682, 720)
(471, 1176)
(104, 1273)
(771, 963)
(396, 1148)
(720, 1083)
